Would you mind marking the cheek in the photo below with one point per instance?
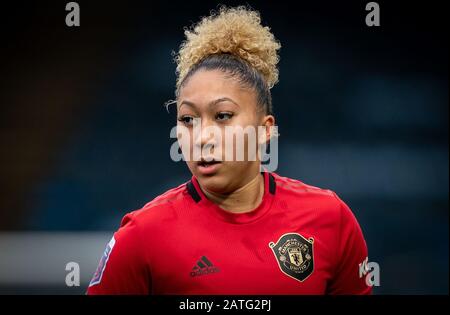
(184, 138)
(247, 132)
(191, 165)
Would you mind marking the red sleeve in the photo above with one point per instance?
(351, 252)
(122, 268)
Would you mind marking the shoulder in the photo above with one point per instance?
(162, 207)
(296, 189)
(320, 200)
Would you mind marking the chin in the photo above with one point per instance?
(214, 183)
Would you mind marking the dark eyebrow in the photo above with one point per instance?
(212, 103)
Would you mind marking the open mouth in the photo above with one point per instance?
(204, 163)
(208, 167)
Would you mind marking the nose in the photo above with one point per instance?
(206, 134)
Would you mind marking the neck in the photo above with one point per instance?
(243, 199)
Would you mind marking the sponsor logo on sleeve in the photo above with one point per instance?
(102, 264)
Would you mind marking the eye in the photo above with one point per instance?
(187, 120)
(223, 116)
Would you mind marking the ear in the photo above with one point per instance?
(268, 122)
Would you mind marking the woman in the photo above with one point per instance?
(233, 229)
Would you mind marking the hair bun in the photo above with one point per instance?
(237, 31)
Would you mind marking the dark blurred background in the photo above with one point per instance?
(85, 138)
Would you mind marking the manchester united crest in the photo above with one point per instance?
(294, 255)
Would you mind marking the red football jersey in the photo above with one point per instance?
(300, 240)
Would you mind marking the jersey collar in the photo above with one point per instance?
(200, 199)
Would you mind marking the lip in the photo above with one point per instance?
(208, 169)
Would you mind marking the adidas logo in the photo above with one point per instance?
(203, 267)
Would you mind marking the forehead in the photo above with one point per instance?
(207, 85)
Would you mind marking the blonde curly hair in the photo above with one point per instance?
(236, 31)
